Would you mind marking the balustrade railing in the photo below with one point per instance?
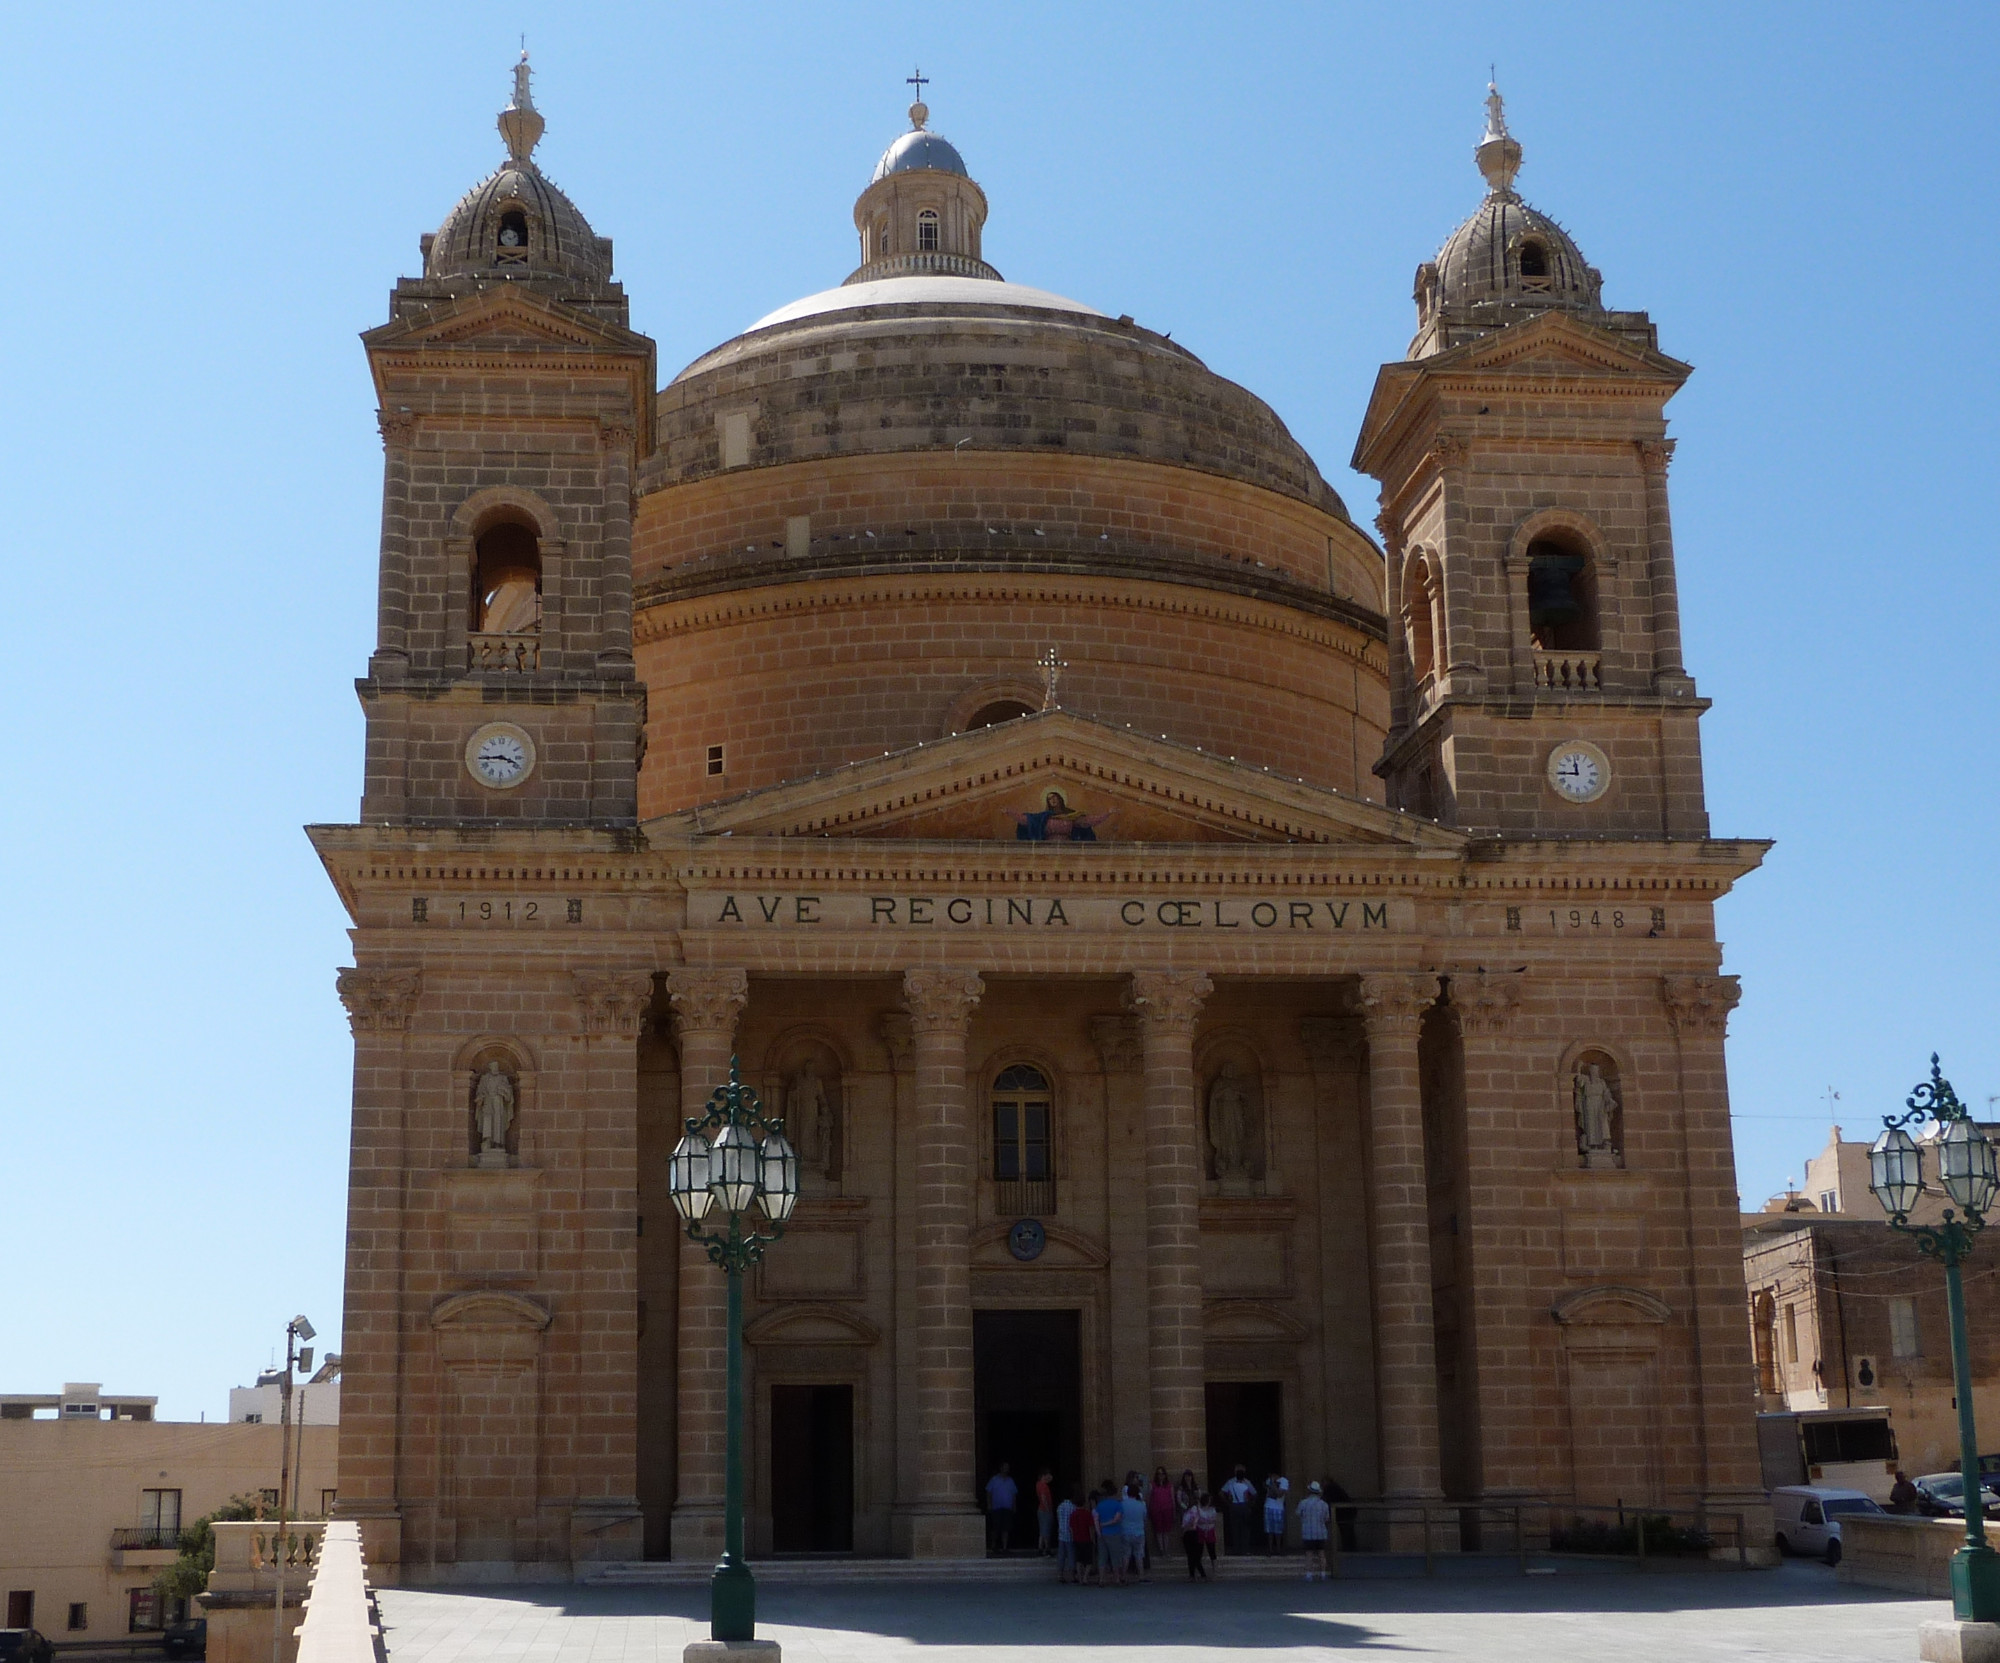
(1568, 672)
(250, 1552)
(487, 651)
(147, 1536)
(1024, 1197)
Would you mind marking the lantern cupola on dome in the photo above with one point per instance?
(921, 215)
(515, 224)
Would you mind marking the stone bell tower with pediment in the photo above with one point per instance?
(1536, 683)
(515, 405)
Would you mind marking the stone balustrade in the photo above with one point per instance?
(249, 1553)
(342, 1624)
(485, 650)
(1910, 1555)
(1568, 672)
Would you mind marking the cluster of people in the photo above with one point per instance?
(1112, 1534)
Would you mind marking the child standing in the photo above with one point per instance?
(1065, 1542)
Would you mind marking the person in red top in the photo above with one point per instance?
(1162, 1512)
(1045, 1513)
(1083, 1533)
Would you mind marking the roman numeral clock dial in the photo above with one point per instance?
(1579, 773)
(500, 755)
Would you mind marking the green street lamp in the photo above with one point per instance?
(719, 1168)
(1970, 1173)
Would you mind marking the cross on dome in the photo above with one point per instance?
(920, 112)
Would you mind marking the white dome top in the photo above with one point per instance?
(908, 291)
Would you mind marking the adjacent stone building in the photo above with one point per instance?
(1242, 991)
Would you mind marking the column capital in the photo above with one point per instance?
(1168, 1000)
(1655, 455)
(614, 433)
(1334, 1044)
(1397, 999)
(1486, 999)
(1700, 1004)
(940, 1001)
(612, 1001)
(378, 1001)
(1452, 450)
(707, 1001)
(894, 1028)
(398, 427)
(1119, 1048)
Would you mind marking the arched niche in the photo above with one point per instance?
(473, 1067)
(806, 1069)
(1592, 1090)
(1235, 1123)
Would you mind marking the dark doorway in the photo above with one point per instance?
(1026, 1387)
(812, 1469)
(1245, 1428)
(21, 1608)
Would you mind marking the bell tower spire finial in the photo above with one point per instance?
(521, 123)
(920, 112)
(1499, 152)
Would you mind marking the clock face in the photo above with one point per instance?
(500, 755)
(1579, 772)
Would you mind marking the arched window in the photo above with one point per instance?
(1562, 597)
(1420, 616)
(1764, 1338)
(512, 239)
(507, 580)
(1533, 261)
(927, 229)
(1021, 1149)
(1000, 710)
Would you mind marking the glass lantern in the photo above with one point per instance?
(1967, 1165)
(1896, 1172)
(778, 1176)
(732, 1170)
(688, 1176)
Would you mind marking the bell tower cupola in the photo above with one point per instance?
(921, 214)
(516, 405)
(1536, 681)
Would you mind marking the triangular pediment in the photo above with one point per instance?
(996, 784)
(1561, 344)
(504, 315)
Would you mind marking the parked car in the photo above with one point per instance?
(1941, 1495)
(25, 1645)
(1808, 1517)
(188, 1637)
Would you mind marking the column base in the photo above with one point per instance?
(731, 1651)
(941, 1533)
(1958, 1642)
(697, 1533)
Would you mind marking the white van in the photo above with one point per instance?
(1808, 1517)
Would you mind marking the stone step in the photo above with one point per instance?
(660, 1573)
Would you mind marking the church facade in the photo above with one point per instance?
(1242, 991)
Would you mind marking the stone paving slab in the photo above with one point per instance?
(1797, 1614)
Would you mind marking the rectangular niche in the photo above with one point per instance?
(813, 1264)
(492, 1226)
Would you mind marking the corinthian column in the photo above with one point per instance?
(1168, 1004)
(944, 1520)
(379, 1006)
(1699, 1007)
(706, 1004)
(1406, 1358)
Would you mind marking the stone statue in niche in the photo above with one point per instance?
(493, 1113)
(1233, 1127)
(812, 1120)
(1596, 1119)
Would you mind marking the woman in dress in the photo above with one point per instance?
(1161, 1512)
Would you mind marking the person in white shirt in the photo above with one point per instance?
(1313, 1515)
(1239, 1495)
(1065, 1543)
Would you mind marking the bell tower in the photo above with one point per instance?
(1536, 682)
(515, 404)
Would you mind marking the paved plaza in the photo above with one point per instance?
(1795, 1613)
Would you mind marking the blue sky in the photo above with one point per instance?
(208, 204)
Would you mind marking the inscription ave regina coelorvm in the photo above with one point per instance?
(730, 909)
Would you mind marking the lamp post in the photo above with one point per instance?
(718, 1169)
(1970, 1173)
(296, 1330)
